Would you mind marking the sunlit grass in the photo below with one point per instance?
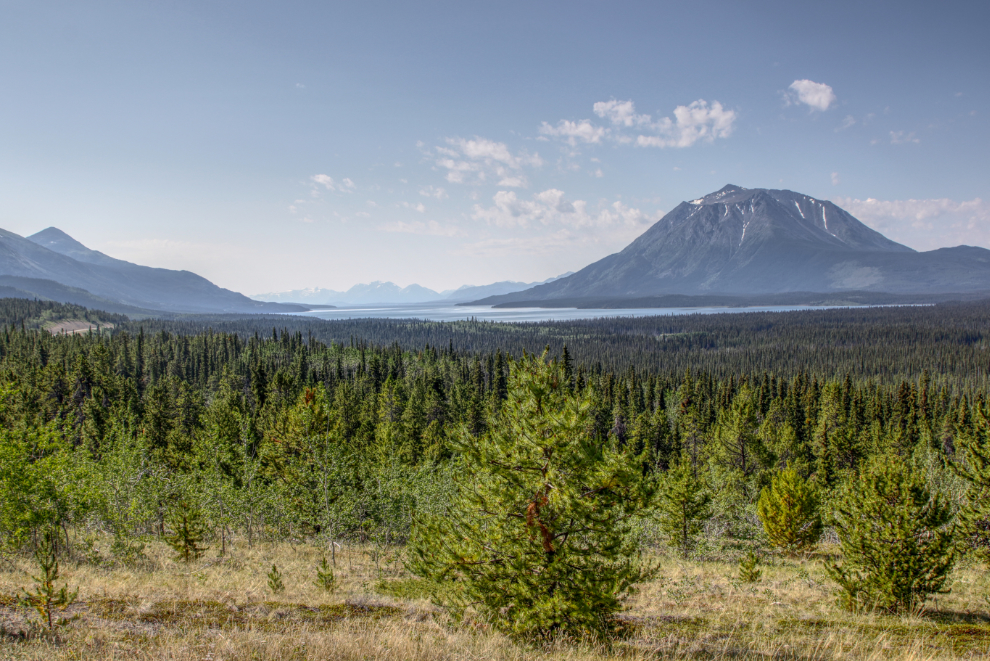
(221, 608)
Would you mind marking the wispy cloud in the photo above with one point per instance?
(817, 96)
(551, 207)
(575, 132)
(696, 122)
(903, 138)
(433, 191)
(345, 185)
(418, 207)
(479, 160)
(432, 228)
(926, 223)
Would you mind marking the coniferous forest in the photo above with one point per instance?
(525, 473)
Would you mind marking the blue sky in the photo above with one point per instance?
(274, 146)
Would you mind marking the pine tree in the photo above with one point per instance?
(974, 466)
(749, 571)
(683, 505)
(188, 532)
(45, 599)
(325, 577)
(536, 537)
(896, 544)
(788, 509)
(275, 583)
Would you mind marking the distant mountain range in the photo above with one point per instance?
(388, 293)
(745, 242)
(51, 265)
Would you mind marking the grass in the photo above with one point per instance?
(221, 608)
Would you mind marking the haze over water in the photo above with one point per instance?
(488, 313)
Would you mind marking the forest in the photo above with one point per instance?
(757, 433)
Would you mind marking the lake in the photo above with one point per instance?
(487, 313)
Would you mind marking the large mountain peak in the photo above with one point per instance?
(763, 240)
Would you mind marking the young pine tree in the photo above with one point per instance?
(536, 537)
(45, 599)
(896, 545)
(683, 505)
(188, 532)
(788, 509)
(974, 466)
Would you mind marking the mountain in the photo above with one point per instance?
(744, 242)
(389, 293)
(471, 292)
(53, 256)
(374, 293)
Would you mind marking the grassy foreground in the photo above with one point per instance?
(222, 609)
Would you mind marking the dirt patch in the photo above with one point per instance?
(74, 326)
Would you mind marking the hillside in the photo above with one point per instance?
(53, 256)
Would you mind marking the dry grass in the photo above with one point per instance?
(222, 609)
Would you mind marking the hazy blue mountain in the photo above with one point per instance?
(759, 241)
(474, 292)
(52, 255)
(389, 293)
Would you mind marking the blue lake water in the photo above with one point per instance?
(487, 313)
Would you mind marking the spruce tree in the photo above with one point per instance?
(896, 543)
(788, 509)
(683, 505)
(537, 536)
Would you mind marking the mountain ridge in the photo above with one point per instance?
(53, 256)
(742, 242)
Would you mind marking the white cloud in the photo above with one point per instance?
(419, 206)
(846, 123)
(818, 96)
(433, 191)
(691, 123)
(550, 207)
(431, 228)
(476, 160)
(835, 178)
(925, 224)
(697, 121)
(902, 138)
(622, 113)
(343, 186)
(574, 132)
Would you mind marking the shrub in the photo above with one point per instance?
(896, 544)
(788, 509)
(536, 535)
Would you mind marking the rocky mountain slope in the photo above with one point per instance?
(759, 241)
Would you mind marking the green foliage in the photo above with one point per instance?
(325, 578)
(44, 598)
(897, 545)
(536, 537)
(749, 571)
(683, 505)
(275, 583)
(788, 509)
(188, 532)
(974, 466)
